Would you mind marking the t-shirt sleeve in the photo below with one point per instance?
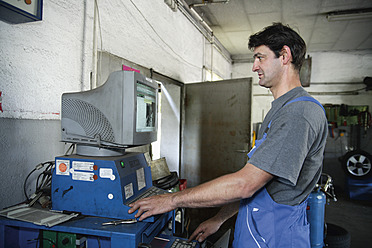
(284, 151)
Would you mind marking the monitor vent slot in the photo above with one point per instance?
(89, 117)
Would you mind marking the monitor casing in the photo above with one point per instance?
(106, 117)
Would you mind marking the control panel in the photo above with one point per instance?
(100, 186)
(20, 11)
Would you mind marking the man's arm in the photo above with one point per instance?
(220, 191)
(212, 225)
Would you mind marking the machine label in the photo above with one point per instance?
(63, 167)
(128, 189)
(141, 178)
(105, 173)
(83, 176)
(81, 165)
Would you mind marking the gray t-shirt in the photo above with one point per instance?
(294, 147)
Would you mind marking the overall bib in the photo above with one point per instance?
(263, 223)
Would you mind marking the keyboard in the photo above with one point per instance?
(149, 192)
(179, 243)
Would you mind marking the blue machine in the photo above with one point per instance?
(101, 180)
(14, 233)
(315, 216)
(100, 186)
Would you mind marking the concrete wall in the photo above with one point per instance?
(41, 60)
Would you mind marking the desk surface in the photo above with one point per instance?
(129, 235)
(86, 225)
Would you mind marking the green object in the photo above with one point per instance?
(49, 239)
(58, 239)
(66, 240)
(353, 116)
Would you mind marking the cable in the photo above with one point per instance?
(46, 180)
(99, 242)
(72, 146)
(99, 23)
(40, 239)
(24, 184)
(100, 35)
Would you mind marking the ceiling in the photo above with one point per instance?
(234, 21)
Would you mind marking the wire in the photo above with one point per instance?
(99, 242)
(99, 23)
(40, 239)
(100, 35)
(24, 184)
(46, 178)
(72, 146)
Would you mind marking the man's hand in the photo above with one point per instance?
(152, 206)
(205, 229)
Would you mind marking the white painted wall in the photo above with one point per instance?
(41, 60)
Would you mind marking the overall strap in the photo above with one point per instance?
(306, 98)
(301, 98)
(298, 99)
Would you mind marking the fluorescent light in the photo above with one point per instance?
(349, 15)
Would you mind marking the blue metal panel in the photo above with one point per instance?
(359, 189)
(101, 190)
(17, 233)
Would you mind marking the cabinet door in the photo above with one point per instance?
(217, 127)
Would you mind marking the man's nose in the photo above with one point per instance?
(255, 66)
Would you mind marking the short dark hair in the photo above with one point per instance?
(278, 35)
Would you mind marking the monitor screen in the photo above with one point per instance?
(146, 108)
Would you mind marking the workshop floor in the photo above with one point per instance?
(354, 216)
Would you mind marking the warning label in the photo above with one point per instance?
(128, 189)
(63, 167)
(141, 179)
(81, 165)
(82, 176)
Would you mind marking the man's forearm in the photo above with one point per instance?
(211, 225)
(223, 190)
(218, 192)
(228, 211)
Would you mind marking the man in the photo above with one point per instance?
(270, 191)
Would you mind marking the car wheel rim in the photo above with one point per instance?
(358, 165)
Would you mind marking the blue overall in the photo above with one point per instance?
(263, 223)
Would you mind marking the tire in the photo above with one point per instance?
(337, 237)
(357, 164)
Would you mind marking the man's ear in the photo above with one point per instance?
(287, 55)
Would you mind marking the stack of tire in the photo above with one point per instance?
(336, 237)
(357, 165)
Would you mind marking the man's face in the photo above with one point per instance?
(267, 65)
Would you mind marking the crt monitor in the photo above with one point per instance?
(119, 114)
